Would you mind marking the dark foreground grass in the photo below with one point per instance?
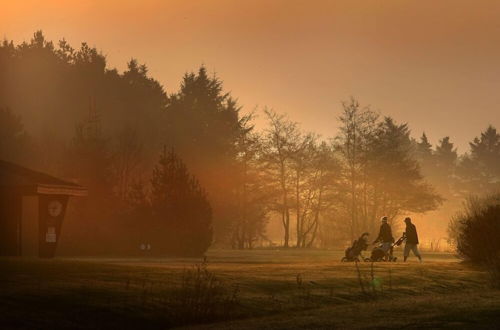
(248, 290)
(464, 310)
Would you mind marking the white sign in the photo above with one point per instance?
(50, 236)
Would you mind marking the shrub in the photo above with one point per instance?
(476, 232)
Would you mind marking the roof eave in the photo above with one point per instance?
(46, 189)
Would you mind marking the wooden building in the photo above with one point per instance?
(32, 209)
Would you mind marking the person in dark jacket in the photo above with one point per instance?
(385, 235)
(411, 240)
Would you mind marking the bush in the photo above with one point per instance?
(476, 232)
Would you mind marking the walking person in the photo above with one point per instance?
(385, 236)
(411, 240)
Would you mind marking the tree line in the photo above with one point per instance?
(189, 169)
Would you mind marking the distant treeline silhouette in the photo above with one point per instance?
(64, 111)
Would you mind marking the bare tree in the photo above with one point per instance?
(326, 184)
(279, 145)
(302, 152)
(127, 156)
(251, 195)
(357, 125)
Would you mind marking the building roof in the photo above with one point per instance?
(13, 176)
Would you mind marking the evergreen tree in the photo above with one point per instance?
(479, 171)
(445, 163)
(15, 144)
(424, 148)
(60, 80)
(204, 125)
(394, 182)
(89, 157)
(486, 151)
(88, 161)
(203, 119)
(181, 211)
(137, 217)
(446, 155)
(424, 154)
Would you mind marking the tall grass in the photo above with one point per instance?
(202, 297)
(370, 284)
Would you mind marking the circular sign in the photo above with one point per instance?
(55, 208)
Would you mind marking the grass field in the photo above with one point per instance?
(260, 289)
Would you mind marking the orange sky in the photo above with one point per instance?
(434, 64)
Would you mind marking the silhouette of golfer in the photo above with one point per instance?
(385, 236)
(411, 240)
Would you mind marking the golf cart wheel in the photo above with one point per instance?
(344, 259)
(394, 259)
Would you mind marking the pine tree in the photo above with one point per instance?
(445, 163)
(204, 126)
(486, 150)
(15, 144)
(424, 148)
(88, 160)
(424, 154)
(181, 210)
(394, 177)
(479, 171)
(446, 154)
(137, 219)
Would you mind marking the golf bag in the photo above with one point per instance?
(382, 252)
(353, 253)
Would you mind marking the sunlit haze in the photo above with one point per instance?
(249, 164)
(431, 64)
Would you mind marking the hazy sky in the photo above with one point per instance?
(433, 64)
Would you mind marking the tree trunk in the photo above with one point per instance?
(297, 200)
